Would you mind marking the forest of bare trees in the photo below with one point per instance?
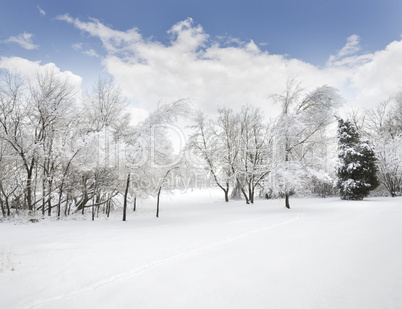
(63, 152)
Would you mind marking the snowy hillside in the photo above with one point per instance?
(204, 253)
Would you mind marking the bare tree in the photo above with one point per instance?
(52, 101)
(385, 129)
(17, 129)
(205, 144)
(149, 157)
(255, 155)
(105, 105)
(303, 117)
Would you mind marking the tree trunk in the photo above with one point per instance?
(66, 207)
(3, 210)
(29, 185)
(29, 192)
(236, 192)
(85, 195)
(69, 206)
(97, 207)
(287, 205)
(7, 201)
(251, 186)
(8, 207)
(108, 205)
(245, 195)
(5, 205)
(287, 200)
(93, 209)
(157, 201)
(135, 203)
(49, 200)
(43, 195)
(226, 195)
(59, 201)
(125, 198)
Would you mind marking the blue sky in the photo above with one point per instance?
(307, 32)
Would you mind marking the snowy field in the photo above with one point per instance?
(204, 253)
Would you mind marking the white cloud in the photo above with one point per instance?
(24, 40)
(212, 73)
(368, 78)
(41, 12)
(380, 77)
(30, 69)
(90, 53)
(113, 40)
(77, 46)
(187, 38)
(137, 114)
(352, 47)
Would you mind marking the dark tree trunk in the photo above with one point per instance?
(43, 194)
(3, 210)
(108, 205)
(245, 196)
(225, 190)
(251, 191)
(226, 195)
(8, 207)
(29, 185)
(125, 198)
(160, 189)
(157, 201)
(252, 195)
(135, 203)
(85, 195)
(93, 208)
(29, 192)
(287, 205)
(59, 202)
(5, 204)
(287, 200)
(49, 200)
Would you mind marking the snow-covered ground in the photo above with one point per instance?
(204, 253)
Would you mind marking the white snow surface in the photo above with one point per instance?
(204, 253)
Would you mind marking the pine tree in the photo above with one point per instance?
(357, 164)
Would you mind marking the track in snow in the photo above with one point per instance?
(140, 269)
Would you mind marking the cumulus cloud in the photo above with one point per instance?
(30, 69)
(216, 72)
(24, 40)
(380, 77)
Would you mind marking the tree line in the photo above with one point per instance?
(64, 152)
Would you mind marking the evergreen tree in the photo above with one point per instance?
(357, 164)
